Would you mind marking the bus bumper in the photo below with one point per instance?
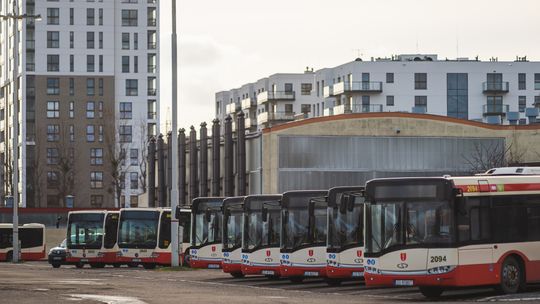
(204, 263)
(297, 271)
(261, 269)
(387, 280)
(344, 272)
(231, 267)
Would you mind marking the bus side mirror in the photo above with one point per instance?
(184, 219)
(350, 203)
(207, 215)
(177, 213)
(311, 208)
(264, 214)
(286, 217)
(227, 214)
(343, 205)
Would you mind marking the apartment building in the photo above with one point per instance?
(88, 100)
(494, 92)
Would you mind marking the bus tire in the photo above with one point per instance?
(333, 281)
(296, 279)
(56, 265)
(512, 276)
(97, 265)
(79, 265)
(116, 265)
(237, 275)
(431, 292)
(273, 277)
(133, 265)
(149, 266)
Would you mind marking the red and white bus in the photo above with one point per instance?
(144, 237)
(345, 242)
(233, 208)
(206, 232)
(303, 234)
(261, 235)
(31, 238)
(437, 233)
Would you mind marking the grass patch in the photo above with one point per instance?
(179, 268)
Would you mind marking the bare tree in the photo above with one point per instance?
(65, 164)
(493, 155)
(117, 148)
(143, 160)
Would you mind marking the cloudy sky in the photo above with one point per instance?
(224, 44)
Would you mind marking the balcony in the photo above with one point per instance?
(230, 108)
(495, 87)
(419, 109)
(249, 123)
(151, 68)
(357, 108)
(152, 92)
(247, 103)
(357, 87)
(267, 117)
(495, 109)
(328, 112)
(152, 22)
(30, 44)
(275, 96)
(152, 115)
(328, 91)
(152, 45)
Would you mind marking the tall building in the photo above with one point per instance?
(88, 79)
(493, 91)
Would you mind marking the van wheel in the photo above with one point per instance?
(296, 279)
(56, 265)
(79, 265)
(237, 275)
(512, 276)
(149, 266)
(431, 292)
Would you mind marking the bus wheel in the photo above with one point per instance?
(133, 265)
(149, 266)
(296, 279)
(79, 265)
(237, 275)
(97, 265)
(273, 277)
(116, 265)
(333, 282)
(56, 265)
(431, 292)
(512, 276)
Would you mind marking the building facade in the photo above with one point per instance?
(88, 100)
(493, 91)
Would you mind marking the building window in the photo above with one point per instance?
(53, 109)
(96, 201)
(71, 133)
(100, 40)
(53, 133)
(133, 180)
(522, 103)
(457, 95)
(125, 41)
(90, 87)
(96, 156)
(100, 133)
(71, 63)
(129, 17)
(152, 109)
(71, 15)
(390, 100)
(125, 64)
(53, 16)
(53, 39)
(537, 101)
(420, 101)
(152, 84)
(135, 41)
(122, 180)
(96, 180)
(100, 16)
(100, 109)
(71, 86)
(522, 81)
(151, 61)
(135, 64)
(90, 63)
(52, 156)
(132, 87)
(134, 157)
(306, 88)
(100, 63)
(389, 77)
(420, 81)
(125, 134)
(537, 81)
(53, 86)
(90, 16)
(90, 40)
(52, 179)
(71, 109)
(90, 110)
(71, 40)
(53, 63)
(125, 110)
(90, 133)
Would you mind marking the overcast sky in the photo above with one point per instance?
(224, 44)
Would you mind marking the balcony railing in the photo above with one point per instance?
(495, 87)
(357, 108)
(275, 116)
(152, 45)
(495, 109)
(248, 103)
(328, 112)
(152, 115)
(419, 109)
(230, 108)
(30, 44)
(328, 91)
(152, 92)
(152, 22)
(362, 87)
(274, 96)
(151, 68)
(248, 123)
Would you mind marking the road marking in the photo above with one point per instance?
(509, 299)
(275, 297)
(79, 282)
(107, 299)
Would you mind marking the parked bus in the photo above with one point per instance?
(437, 233)
(303, 234)
(144, 237)
(31, 239)
(345, 242)
(206, 231)
(91, 238)
(233, 208)
(261, 235)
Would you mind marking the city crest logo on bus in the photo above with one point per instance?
(310, 252)
(267, 253)
(403, 256)
(359, 253)
(213, 248)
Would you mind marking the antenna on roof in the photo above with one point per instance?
(359, 54)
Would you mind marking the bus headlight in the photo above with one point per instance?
(154, 255)
(100, 254)
(441, 269)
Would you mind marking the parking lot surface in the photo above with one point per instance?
(38, 282)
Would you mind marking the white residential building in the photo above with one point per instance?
(88, 79)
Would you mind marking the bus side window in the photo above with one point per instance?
(533, 223)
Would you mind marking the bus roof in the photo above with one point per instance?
(29, 225)
(512, 171)
(333, 192)
(91, 212)
(234, 200)
(498, 184)
(251, 200)
(302, 193)
(199, 200)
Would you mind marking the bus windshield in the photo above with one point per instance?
(259, 233)
(138, 229)
(346, 226)
(300, 229)
(409, 223)
(207, 224)
(85, 230)
(233, 228)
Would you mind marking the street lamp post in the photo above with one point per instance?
(15, 17)
(174, 181)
